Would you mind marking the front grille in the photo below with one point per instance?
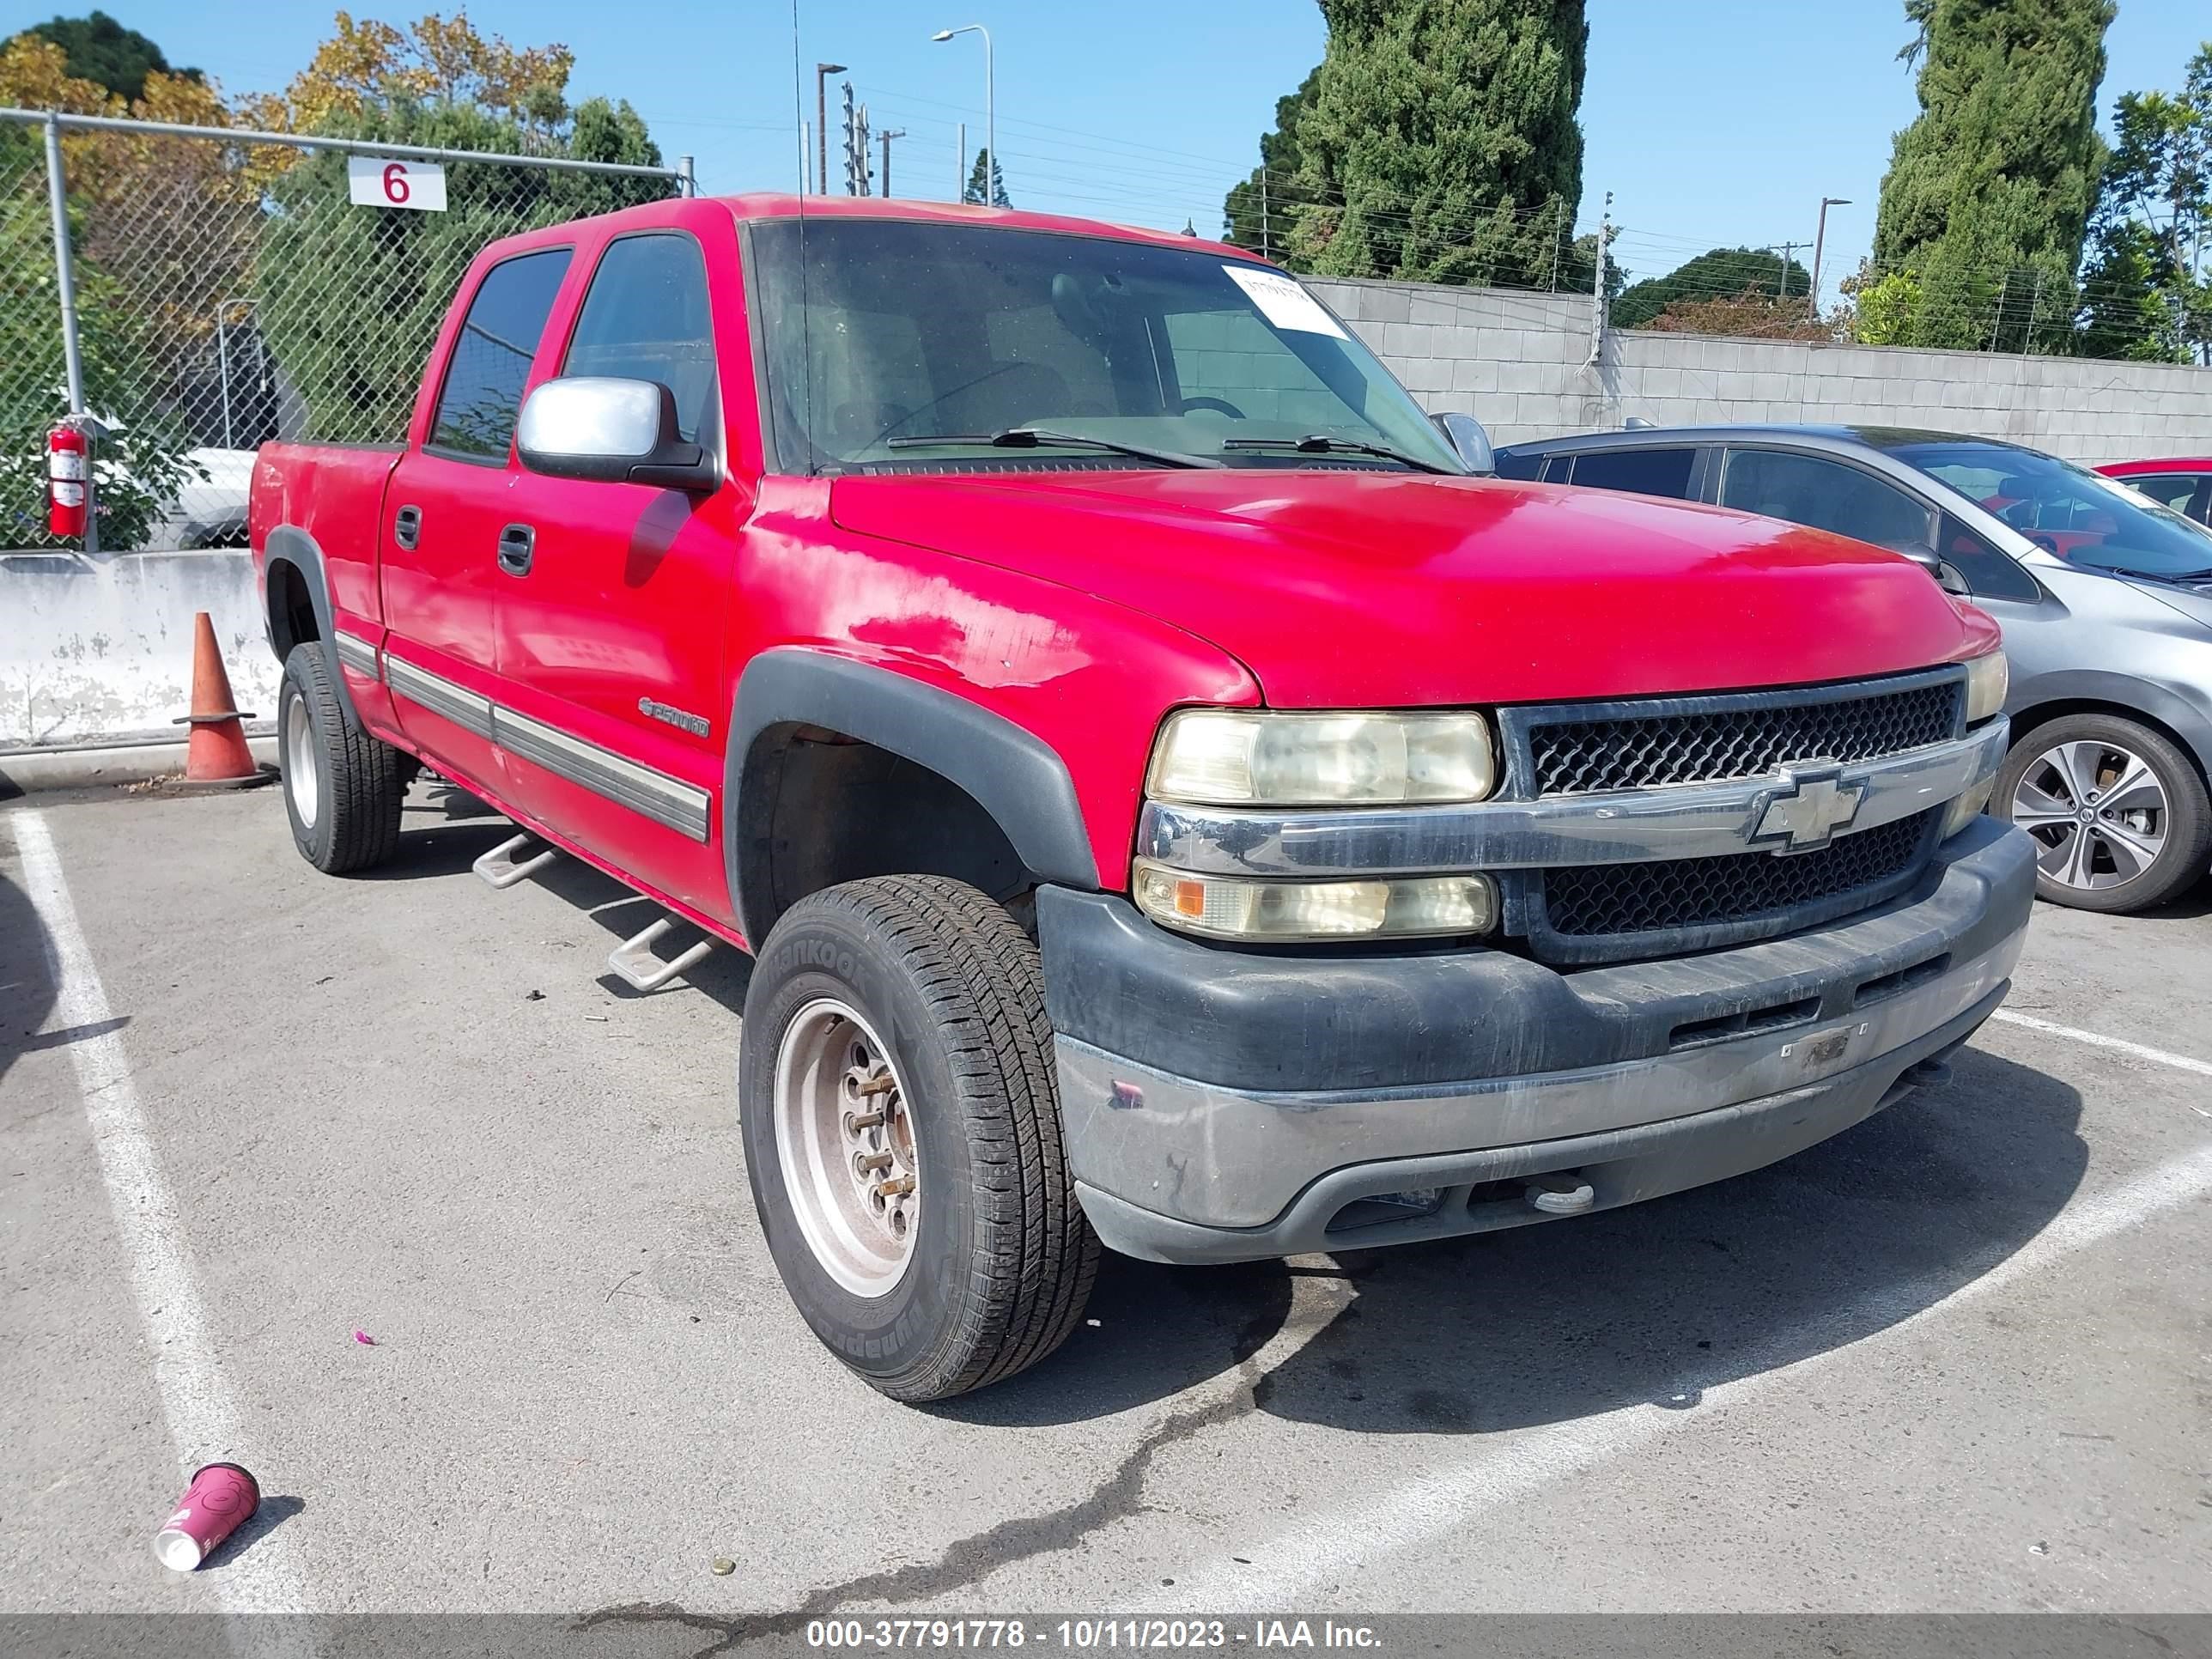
(1701, 740)
(1736, 890)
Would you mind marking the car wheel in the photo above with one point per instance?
(2119, 814)
(343, 788)
(902, 1134)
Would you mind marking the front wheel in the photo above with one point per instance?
(902, 1138)
(2119, 816)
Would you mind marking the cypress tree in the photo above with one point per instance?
(1441, 142)
(1989, 191)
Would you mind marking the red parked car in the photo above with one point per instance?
(1170, 802)
(2185, 485)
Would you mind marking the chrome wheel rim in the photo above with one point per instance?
(844, 1134)
(300, 778)
(2098, 812)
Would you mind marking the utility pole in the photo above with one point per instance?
(1788, 249)
(1821, 236)
(2034, 304)
(856, 145)
(887, 135)
(1597, 282)
(960, 178)
(821, 74)
(1263, 210)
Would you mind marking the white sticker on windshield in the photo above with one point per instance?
(1283, 302)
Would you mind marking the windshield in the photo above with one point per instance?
(895, 331)
(2083, 517)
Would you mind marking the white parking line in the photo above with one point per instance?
(2095, 1040)
(1327, 1547)
(203, 1414)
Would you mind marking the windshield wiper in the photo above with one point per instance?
(1030, 437)
(1321, 443)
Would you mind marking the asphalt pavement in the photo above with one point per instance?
(1958, 1359)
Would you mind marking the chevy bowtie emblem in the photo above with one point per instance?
(1806, 811)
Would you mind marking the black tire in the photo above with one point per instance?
(1002, 1258)
(2187, 815)
(358, 781)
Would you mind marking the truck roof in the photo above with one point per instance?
(771, 204)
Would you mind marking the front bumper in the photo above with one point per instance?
(1222, 1105)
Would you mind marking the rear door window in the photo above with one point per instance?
(1825, 494)
(492, 354)
(646, 318)
(1644, 471)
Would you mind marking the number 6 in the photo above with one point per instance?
(395, 183)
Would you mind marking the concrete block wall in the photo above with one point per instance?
(1519, 363)
(99, 650)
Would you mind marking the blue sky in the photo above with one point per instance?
(1711, 121)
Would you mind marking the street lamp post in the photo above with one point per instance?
(990, 100)
(821, 74)
(1821, 236)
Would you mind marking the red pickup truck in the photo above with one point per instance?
(1170, 801)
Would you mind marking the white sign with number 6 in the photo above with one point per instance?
(374, 181)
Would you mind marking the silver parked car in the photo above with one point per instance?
(2105, 596)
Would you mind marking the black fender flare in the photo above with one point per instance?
(289, 545)
(1013, 773)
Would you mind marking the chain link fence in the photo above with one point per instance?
(229, 291)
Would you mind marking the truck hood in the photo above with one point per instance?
(1361, 589)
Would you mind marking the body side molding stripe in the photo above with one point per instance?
(680, 806)
(357, 654)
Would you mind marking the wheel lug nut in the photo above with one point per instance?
(856, 1121)
(898, 1188)
(879, 1085)
(869, 1162)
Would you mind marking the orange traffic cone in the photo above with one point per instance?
(217, 752)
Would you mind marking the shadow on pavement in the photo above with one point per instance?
(1652, 1303)
(274, 1512)
(26, 978)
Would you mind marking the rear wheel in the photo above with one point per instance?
(343, 788)
(2118, 814)
(902, 1134)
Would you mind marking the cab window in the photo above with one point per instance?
(492, 354)
(645, 318)
(1825, 494)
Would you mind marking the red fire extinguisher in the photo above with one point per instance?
(69, 470)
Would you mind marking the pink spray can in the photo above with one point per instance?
(216, 1503)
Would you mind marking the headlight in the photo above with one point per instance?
(1227, 907)
(1988, 678)
(1254, 758)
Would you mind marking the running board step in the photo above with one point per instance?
(499, 866)
(633, 962)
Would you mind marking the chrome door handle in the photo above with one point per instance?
(516, 544)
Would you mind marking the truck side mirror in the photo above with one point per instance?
(1468, 441)
(611, 431)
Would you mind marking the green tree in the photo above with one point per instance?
(1989, 191)
(1722, 273)
(348, 299)
(102, 51)
(142, 463)
(1441, 143)
(1259, 211)
(2145, 294)
(986, 167)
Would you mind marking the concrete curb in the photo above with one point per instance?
(25, 771)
